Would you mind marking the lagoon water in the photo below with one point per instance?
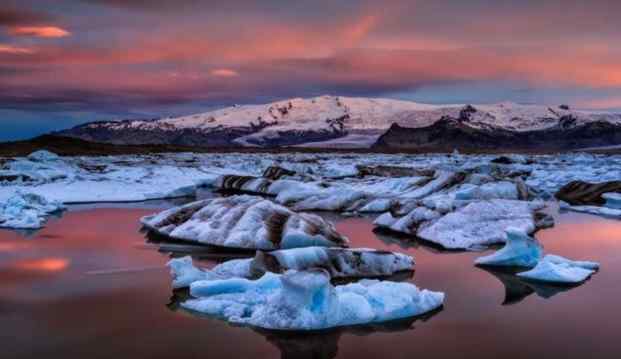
(90, 286)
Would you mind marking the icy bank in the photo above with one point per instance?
(244, 222)
(339, 262)
(305, 300)
(27, 211)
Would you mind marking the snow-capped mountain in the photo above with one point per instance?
(328, 121)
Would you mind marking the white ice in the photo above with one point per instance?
(556, 269)
(27, 211)
(613, 200)
(339, 262)
(244, 222)
(605, 211)
(520, 250)
(306, 300)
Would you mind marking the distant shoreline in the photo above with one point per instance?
(67, 146)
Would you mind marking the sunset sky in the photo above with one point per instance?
(63, 62)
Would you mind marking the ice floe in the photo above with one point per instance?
(557, 269)
(476, 224)
(595, 210)
(306, 300)
(579, 193)
(520, 250)
(613, 200)
(244, 222)
(27, 211)
(339, 262)
(524, 251)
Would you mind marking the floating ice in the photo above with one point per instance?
(305, 300)
(478, 223)
(27, 211)
(244, 222)
(43, 155)
(339, 262)
(556, 269)
(595, 210)
(520, 250)
(481, 223)
(502, 189)
(185, 273)
(613, 200)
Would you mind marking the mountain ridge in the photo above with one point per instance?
(331, 121)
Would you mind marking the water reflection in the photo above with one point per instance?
(516, 288)
(126, 315)
(42, 265)
(317, 344)
(325, 344)
(405, 241)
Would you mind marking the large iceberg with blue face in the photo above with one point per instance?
(305, 300)
(520, 250)
(244, 222)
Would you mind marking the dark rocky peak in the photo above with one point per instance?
(567, 121)
(466, 113)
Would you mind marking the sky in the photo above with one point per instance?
(65, 62)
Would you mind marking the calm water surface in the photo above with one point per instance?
(88, 286)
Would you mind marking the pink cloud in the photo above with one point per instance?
(15, 50)
(224, 73)
(38, 31)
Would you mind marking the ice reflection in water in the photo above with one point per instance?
(70, 313)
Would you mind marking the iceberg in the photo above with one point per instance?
(557, 269)
(613, 200)
(243, 184)
(244, 222)
(594, 210)
(339, 262)
(306, 300)
(502, 189)
(184, 272)
(520, 250)
(43, 156)
(480, 223)
(27, 211)
(581, 193)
